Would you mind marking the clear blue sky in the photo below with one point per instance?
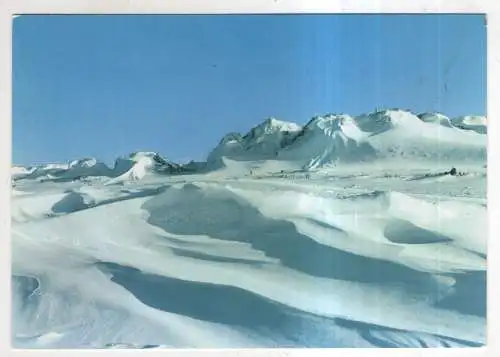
(105, 86)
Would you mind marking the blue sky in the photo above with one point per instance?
(104, 86)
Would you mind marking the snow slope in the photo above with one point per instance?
(471, 122)
(373, 245)
(380, 138)
(330, 139)
(132, 167)
(401, 135)
(200, 261)
(262, 142)
(38, 171)
(436, 118)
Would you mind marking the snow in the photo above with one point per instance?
(360, 248)
(20, 170)
(436, 118)
(133, 168)
(471, 122)
(330, 139)
(339, 139)
(262, 142)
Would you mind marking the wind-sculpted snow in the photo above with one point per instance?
(344, 232)
(212, 260)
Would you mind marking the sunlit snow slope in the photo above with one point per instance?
(382, 138)
(318, 247)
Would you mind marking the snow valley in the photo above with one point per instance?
(366, 231)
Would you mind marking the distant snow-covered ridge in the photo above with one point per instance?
(339, 138)
(325, 141)
(131, 167)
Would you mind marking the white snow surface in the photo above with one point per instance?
(132, 167)
(262, 142)
(436, 118)
(373, 251)
(471, 122)
(430, 139)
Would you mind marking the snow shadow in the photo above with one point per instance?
(221, 214)
(25, 299)
(24, 287)
(72, 202)
(387, 337)
(469, 295)
(40, 172)
(76, 201)
(226, 305)
(402, 231)
(204, 256)
(427, 176)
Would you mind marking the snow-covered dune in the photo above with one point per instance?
(246, 263)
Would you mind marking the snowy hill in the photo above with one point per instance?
(436, 118)
(36, 171)
(327, 140)
(139, 164)
(381, 137)
(471, 122)
(131, 167)
(384, 138)
(403, 136)
(262, 142)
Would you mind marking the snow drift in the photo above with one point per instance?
(250, 263)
